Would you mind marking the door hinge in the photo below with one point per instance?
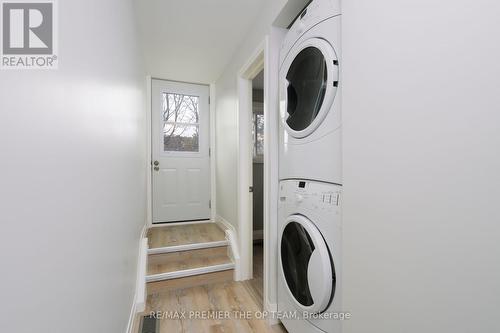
(210, 203)
(208, 99)
(209, 152)
(250, 189)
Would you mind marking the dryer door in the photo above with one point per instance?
(306, 264)
(309, 82)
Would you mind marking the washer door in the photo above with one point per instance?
(306, 264)
(309, 83)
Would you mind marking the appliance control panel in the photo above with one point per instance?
(315, 12)
(311, 194)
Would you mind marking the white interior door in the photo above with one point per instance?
(180, 151)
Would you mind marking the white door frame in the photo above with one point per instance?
(149, 178)
(257, 61)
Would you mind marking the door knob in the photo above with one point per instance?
(156, 163)
(157, 168)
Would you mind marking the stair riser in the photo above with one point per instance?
(187, 247)
(168, 262)
(190, 281)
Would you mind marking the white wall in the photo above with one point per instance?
(421, 85)
(72, 178)
(278, 13)
(227, 133)
(226, 113)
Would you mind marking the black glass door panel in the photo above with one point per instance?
(296, 250)
(307, 81)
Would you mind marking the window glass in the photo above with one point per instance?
(178, 108)
(177, 137)
(258, 136)
(296, 250)
(180, 123)
(307, 79)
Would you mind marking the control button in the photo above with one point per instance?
(328, 198)
(299, 197)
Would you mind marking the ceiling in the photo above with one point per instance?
(192, 40)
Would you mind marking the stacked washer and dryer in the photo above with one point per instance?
(309, 211)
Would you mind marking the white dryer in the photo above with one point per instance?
(309, 87)
(309, 279)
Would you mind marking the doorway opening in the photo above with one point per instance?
(257, 170)
(253, 157)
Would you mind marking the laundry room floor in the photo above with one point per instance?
(229, 297)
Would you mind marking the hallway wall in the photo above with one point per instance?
(72, 177)
(226, 114)
(227, 135)
(421, 95)
(274, 12)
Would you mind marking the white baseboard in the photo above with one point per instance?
(140, 295)
(224, 224)
(140, 292)
(234, 252)
(132, 320)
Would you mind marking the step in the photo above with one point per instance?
(187, 247)
(182, 256)
(181, 270)
(178, 261)
(189, 272)
(183, 235)
(190, 281)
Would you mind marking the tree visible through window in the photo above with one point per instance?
(258, 137)
(181, 123)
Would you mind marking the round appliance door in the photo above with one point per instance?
(309, 82)
(306, 264)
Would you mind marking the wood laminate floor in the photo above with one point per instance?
(184, 234)
(231, 299)
(255, 286)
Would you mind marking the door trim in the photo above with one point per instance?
(259, 60)
(149, 138)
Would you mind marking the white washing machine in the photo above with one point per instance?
(310, 126)
(309, 279)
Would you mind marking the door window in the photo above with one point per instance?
(296, 250)
(181, 123)
(307, 81)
